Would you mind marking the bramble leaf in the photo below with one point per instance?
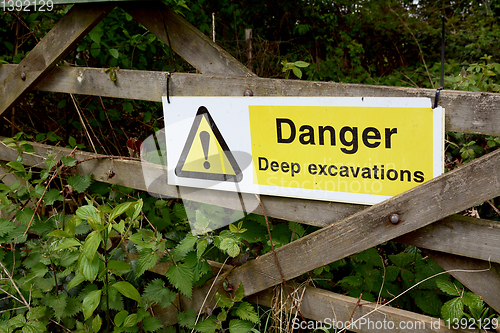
(147, 259)
(246, 312)
(156, 292)
(80, 183)
(453, 309)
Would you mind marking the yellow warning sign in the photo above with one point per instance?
(206, 155)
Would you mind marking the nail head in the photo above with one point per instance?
(248, 92)
(394, 218)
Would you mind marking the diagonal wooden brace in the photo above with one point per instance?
(448, 194)
(186, 40)
(52, 48)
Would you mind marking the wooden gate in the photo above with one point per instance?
(455, 242)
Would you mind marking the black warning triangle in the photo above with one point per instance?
(206, 154)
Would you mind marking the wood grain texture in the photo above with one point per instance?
(469, 112)
(64, 35)
(418, 207)
(481, 277)
(325, 306)
(460, 235)
(187, 41)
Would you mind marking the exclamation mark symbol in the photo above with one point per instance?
(205, 142)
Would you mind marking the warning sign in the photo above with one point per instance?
(357, 150)
(206, 154)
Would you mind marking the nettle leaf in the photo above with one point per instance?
(240, 326)
(6, 226)
(391, 273)
(90, 303)
(73, 306)
(156, 292)
(352, 281)
(127, 290)
(181, 277)
(246, 312)
(402, 259)
(187, 318)
(58, 304)
(151, 324)
(147, 259)
(428, 302)
(187, 243)
(80, 183)
(209, 325)
(453, 309)
(447, 287)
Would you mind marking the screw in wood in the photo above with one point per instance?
(394, 218)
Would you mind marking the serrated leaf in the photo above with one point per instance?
(447, 287)
(223, 301)
(239, 293)
(187, 243)
(34, 327)
(402, 259)
(352, 281)
(391, 273)
(181, 277)
(231, 246)
(147, 259)
(17, 321)
(187, 318)
(80, 183)
(472, 300)
(52, 196)
(453, 309)
(36, 313)
(90, 303)
(207, 326)
(6, 226)
(68, 161)
(428, 302)
(246, 312)
(120, 317)
(156, 292)
(151, 324)
(96, 323)
(73, 306)
(127, 290)
(58, 304)
(240, 326)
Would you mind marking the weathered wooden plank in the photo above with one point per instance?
(63, 36)
(460, 235)
(418, 207)
(130, 174)
(480, 276)
(328, 307)
(469, 112)
(185, 39)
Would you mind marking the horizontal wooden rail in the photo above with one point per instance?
(468, 112)
(418, 207)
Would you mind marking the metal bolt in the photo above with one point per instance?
(23, 76)
(394, 218)
(247, 93)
